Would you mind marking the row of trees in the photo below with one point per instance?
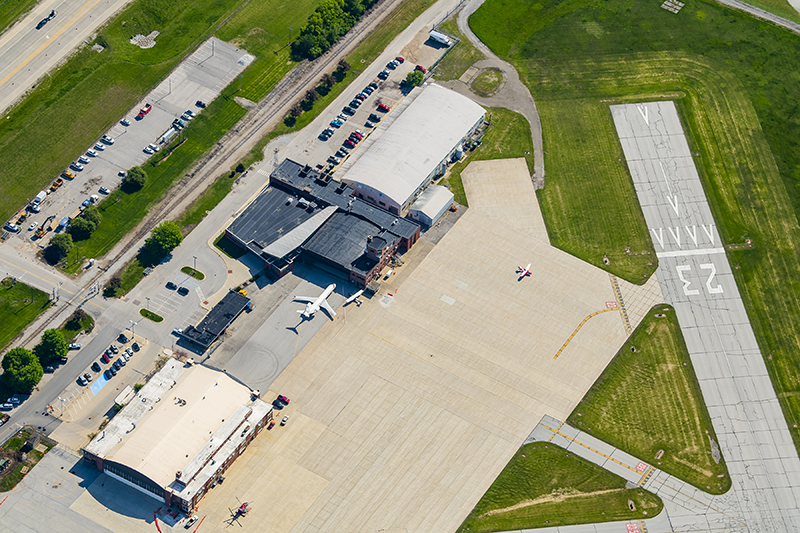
(312, 95)
(82, 227)
(326, 25)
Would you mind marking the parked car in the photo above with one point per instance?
(88, 377)
(191, 521)
(342, 117)
(114, 348)
(129, 351)
(369, 124)
(383, 74)
(399, 59)
(361, 97)
(91, 153)
(104, 190)
(116, 365)
(285, 419)
(82, 381)
(190, 113)
(105, 359)
(6, 406)
(373, 85)
(106, 139)
(349, 144)
(125, 122)
(336, 123)
(76, 166)
(355, 104)
(108, 374)
(421, 69)
(384, 108)
(200, 104)
(391, 65)
(113, 371)
(183, 291)
(177, 331)
(148, 151)
(171, 286)
(122, 338)
(96, 366)
(349, 111)
(135, 346)
(30, 228)
(75, 346)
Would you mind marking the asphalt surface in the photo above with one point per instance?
(697, 280)
(27, 54)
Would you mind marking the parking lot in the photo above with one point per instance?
(200, 78)
(389, 92)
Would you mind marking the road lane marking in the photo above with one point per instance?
(682, 253)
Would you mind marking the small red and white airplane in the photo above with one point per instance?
(524, 271)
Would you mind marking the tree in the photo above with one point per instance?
(414, 79)
(240, 168)
(81, 228)
(60, 245)
(21, 370)
(92, 214)
(52, 346)
(75, 321)
(327, 80)
(296, 111)
(312, 96)
(134, 180)
(163, 239)
(343, 66)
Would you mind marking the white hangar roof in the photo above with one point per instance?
(413, 146)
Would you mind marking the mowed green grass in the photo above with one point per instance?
(508, 136)
(587, 180)
(71, 107)
(262, 28)
(649, 400)
(460, 58)
(546, 486)
(20, 304)
(13, 10)
(735, 82)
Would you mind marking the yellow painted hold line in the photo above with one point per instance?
(579, 327)
(598, 452)
(621, 304)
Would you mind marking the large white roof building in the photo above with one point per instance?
(398, 166)
(179, 433)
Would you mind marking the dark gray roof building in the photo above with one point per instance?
(217, 321)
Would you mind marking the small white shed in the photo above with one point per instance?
(431, 205)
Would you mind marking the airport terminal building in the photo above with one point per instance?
(305, 214)
(414, 149)
(179, 434)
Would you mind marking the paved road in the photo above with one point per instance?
(28, 54)
(766, 15)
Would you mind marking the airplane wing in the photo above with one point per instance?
(328, 309)
(305, 299)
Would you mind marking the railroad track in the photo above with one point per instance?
(245, 131)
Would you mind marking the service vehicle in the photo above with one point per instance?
(145, 110)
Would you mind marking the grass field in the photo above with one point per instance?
(108, 83)
(70, 329)
(20, 304)
(487, 82)
(13, 10)
(10, 479)
(546, 486)
(734, 80)
(508, 136)
(586, 173)
(460, 58)
(649, 400)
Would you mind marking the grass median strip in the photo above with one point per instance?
(731, 78)
(196, 274)
(151, 315)
(546, 486)
(460, 58)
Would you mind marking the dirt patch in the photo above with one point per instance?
(552, 497)
(244, 102)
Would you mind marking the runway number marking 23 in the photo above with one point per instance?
(712, 289)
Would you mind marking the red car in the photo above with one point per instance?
(421, 68)
(349, 144)
(105, 358)
(145, 110)
(384, 108)
(399, 59)
(284, 399)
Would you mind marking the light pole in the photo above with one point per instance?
(195, 263)
(133, 326)
(148, 302)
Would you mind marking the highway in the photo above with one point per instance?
(28, 54)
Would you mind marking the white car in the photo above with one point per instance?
(148, 150)
(104, 190)
(83, 159)
(91, 153)
(191, 521)
(177, 331)
(32, 226)
(189, 112)
(74, 346)
(100, 147)
(108, 140)
(153, 147)
(76, 165)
